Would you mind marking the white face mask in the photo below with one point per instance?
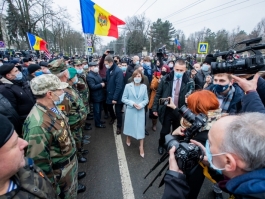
(61, 97)
(107, 66)
(170, 65)
(96, 69)
(137, 80)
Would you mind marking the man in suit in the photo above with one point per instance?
(115, 86)
(172, 85)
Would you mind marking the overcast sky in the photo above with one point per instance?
(187, 15)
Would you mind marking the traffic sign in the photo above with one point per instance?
(90, 49)
(203, 48)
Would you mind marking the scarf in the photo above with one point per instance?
(148, 69)
(226, 99)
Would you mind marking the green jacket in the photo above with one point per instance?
(49, 137)
(32, 183)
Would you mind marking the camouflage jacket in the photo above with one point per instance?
(73, 107)
(32, 183)
(82, 87)
(49, 137)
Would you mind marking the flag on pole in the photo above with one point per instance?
(97, 21)
(178, 44)
(36, 42)
(47, 54)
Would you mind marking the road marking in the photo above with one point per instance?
(127, 189)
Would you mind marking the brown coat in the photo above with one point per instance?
(153, 88)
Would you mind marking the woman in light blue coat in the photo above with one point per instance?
(136, 98)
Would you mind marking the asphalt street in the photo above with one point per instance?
(116, 171)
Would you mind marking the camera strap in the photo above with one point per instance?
(206, 173)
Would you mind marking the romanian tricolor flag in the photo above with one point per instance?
(36, 42)
(97, 21)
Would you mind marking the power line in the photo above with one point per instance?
(204, 11)
(140, 7)
(150, 6)
(223, 14)
(185, 8)
(207, 13)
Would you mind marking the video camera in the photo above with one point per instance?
(187, 155)
(249, 65)
(161, 52)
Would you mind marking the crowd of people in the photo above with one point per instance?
(45, 109)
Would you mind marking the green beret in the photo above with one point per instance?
(72, 72)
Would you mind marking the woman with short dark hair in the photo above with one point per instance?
(135, 98)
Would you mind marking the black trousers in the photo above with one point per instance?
(170, 120)
(117, 114)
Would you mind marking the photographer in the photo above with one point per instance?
(232, 151)
(198, 102)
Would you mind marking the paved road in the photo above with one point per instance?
(116, 171)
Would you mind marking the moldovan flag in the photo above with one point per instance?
(36, 42)
(97, 21)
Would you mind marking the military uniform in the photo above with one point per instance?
(51, 144)
(31, 183)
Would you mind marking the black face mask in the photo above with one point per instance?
(163, 73)
(115, 61)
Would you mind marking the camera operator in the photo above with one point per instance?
(198, 102)
(233, 151)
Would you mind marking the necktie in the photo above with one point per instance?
(176, 94)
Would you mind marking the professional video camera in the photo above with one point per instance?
(161, 52)
(187, 155)
(249, 65)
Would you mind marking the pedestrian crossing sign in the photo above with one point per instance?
(90, 49)
(203, 48)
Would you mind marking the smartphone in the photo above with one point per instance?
(164, 101)
(110, 51)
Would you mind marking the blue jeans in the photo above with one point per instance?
(97, 113)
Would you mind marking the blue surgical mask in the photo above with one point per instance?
(79, 71)
(205, 67)
(137, 62)
(85, 66)
(210, 157)
(219, 88)
(48, 71)
(124, 68)
(19, 76)
(137, 80)
(76, 80)
(178, 75)
(61, 97)
(148, 63)
(38, 73)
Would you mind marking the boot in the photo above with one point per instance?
(154, 122)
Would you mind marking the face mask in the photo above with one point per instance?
(18, 76)
(124, 68)
(170, 65)
(210, 157)
(137, 62)
(219, 88)
(48, 71)
(148, 63)
(61, 97)
(137, 80)
(85, 66)
(79, 71)
(75, 81)
(205, 67)
(38, 73)
(115, 61)
(1, 64)
(107, 66)
(96, 69)
(163, 73)
(178, 75)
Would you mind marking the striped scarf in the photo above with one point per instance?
(226, 99)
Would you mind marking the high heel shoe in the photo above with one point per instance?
(141, 154)
(128, 143)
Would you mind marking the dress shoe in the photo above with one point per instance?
(86, 137)
(102, 122)
(83, 151)
(88, 127)
(101, 126)
(81, 188)
(81, 175)
(85, 141)
(146, 132)
(82, 160)
(160, 150)
(112, 121)
(118, 132)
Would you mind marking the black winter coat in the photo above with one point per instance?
(96, 90)
(129, 72)
(7, 110)
(165, 90)
(19, 95)
(115, 84)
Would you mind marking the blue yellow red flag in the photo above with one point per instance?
(36, 42)
(97, 21)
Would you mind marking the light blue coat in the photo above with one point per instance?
(134, 123)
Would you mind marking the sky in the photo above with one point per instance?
(186, 15)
